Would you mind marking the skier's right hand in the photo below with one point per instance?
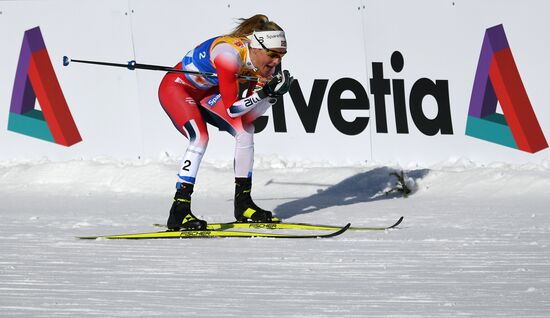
(278, 85)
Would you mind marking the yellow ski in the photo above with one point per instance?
(212, 234)
(278, 224)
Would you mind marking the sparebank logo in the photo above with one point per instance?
(497, 79)
(35, 79)
(213, 100)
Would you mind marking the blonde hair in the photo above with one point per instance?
(258, 22)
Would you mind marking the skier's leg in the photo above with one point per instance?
(245, 208)
(195, 130)
(182, 109)
(244, 153)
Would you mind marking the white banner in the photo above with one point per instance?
(383, 80)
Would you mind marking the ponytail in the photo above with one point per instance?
(258, 22)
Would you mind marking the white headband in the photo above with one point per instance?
(270, 39)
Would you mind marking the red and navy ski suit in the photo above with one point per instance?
(192, 101)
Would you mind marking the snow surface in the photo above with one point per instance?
(474, 242)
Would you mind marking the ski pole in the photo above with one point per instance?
(132, 65)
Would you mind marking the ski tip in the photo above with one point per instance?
(342, 230)
(397, 223)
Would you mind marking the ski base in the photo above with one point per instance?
(212, 234)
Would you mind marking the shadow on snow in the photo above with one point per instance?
(363, 187)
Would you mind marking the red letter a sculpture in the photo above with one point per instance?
(35, 79)
(497, 79)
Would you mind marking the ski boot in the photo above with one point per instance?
(245, 209)
(181, 217)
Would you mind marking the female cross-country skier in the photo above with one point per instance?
(252, 50)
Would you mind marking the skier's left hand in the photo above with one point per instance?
(278, 85)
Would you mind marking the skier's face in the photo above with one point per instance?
(266, 60)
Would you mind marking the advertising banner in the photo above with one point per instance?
(390, 81)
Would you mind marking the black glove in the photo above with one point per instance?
(278, 85)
